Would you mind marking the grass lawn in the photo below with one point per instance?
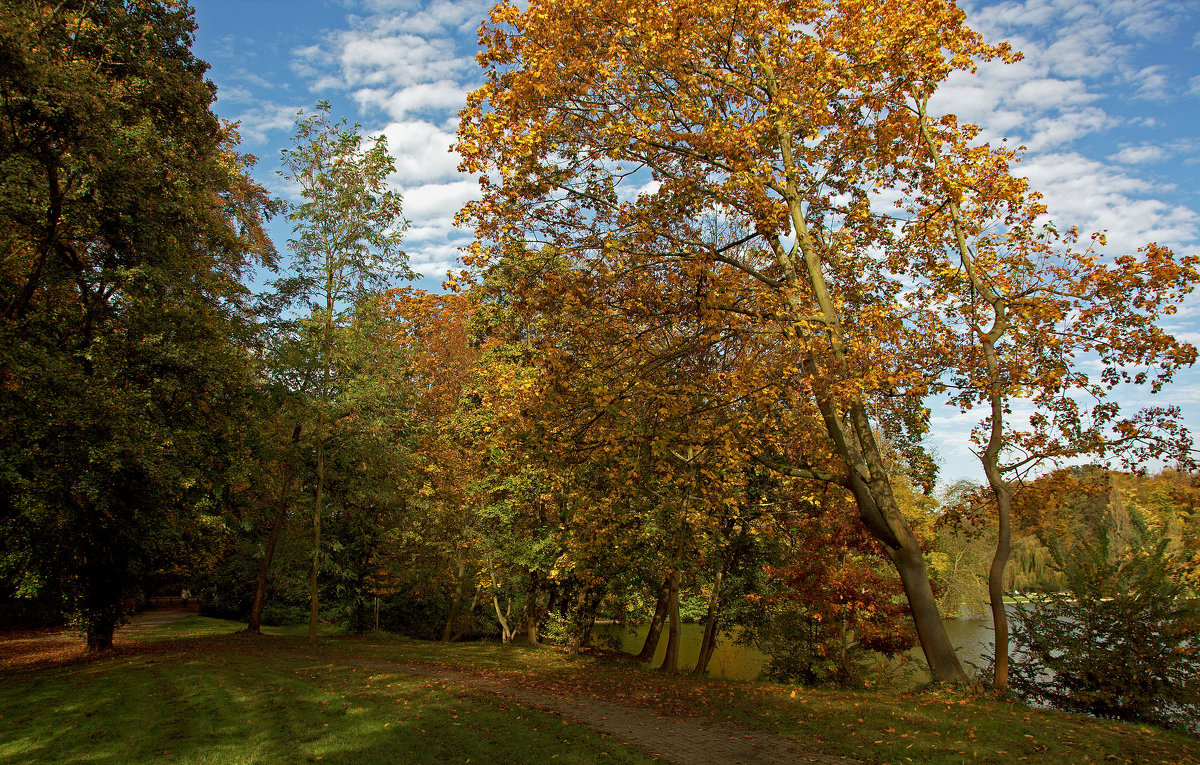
(195, 692)
(936, 726)
(196, 698)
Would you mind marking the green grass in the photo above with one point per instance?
(936, 726)
(232, 699)
(196, 692)
(203, 626)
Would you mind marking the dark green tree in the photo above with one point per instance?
(126, 223)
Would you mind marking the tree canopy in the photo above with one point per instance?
(128, 222)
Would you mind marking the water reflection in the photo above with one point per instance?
(730, 661)
(972, 638)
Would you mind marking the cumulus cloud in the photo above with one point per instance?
(438, 201)
(256, 123)
(1096, 197)
(1139, 155)
(426, 97)
(422, 152)
(411, 64)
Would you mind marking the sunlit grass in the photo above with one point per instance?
(228, 700)
(201, 690)
(940, 726)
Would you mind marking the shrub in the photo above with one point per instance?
(1122, 640)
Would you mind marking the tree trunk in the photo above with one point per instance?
(531, 612)
(656, 625)
(671, 659)
(314, 611)
(931, 631)
(455, 602)
(583, 615)
(849, 427)
(506, 635)
(100, 636)
(457, 634)
(883, 518)
(709, 643)
(996, 578)
(291, 476)
(254, 622)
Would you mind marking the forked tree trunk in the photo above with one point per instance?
(506, 635)
(709, 643)
(656, 625)
(671, 658)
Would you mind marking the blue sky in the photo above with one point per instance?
(1106, 100)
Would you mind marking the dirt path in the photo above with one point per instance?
(683, 740)
(42, 648)
(154, 618)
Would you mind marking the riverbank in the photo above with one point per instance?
(197, 691)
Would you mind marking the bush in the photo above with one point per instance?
(1121, 641)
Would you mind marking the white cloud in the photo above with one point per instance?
(1047, 93)
(435, 202)
(1152, 83)
(412, 62)
(254, 124)
(1138, 155)
(422, 152)
(235, 94)
(439, 17)
(1050, 132)
(392, 49)
(1096, 197)
(424, 97)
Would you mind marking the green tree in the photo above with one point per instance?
(126, 221)
(346, 247)
(1121, 639)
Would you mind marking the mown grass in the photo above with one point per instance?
(236, 699)
(940, 726)
(195, 692)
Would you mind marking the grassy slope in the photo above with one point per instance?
(192, 694)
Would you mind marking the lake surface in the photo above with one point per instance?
(972, 638)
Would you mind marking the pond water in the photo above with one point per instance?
(973, 639)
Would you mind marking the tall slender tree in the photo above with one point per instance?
(347, 234)
(1025, 306)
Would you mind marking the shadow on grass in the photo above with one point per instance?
(225, 700)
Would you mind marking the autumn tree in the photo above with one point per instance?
(1028, 307)
(126, 222)
(830, 603)
(617, 142)
(347, 228)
